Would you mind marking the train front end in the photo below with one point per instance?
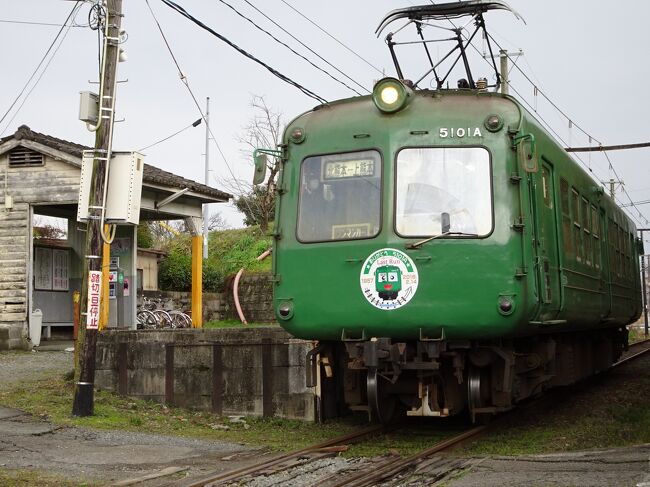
(398, 245)
(398, 222)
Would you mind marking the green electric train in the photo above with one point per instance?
(445, 251)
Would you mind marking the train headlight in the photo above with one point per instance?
(390, 95)
(285, 310)
(506, 305)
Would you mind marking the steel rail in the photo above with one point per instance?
(394, 466)
(634, 355)
(244, 471)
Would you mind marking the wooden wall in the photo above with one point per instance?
(54, 182)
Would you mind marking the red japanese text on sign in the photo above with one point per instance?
(94, 293)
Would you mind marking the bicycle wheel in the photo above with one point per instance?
(180, 319)
(163, 318)
(146, 320)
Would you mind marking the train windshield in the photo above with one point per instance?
(443, 190)
(340, 197)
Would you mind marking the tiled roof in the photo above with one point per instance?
(151, 174)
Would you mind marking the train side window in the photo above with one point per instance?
(577, 234)
(595, 232)
(613, 245)
(587, 233)
(546, 186)
(566, 217)
(617, 249)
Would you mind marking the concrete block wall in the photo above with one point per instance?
(255, 297)
(12, 336)
(136, 363)
(215, 306)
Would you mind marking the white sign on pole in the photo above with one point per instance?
(94, 291)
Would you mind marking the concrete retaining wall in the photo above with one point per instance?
(255, 296)
(254, 371)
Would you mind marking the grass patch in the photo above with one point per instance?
(51, 399)
(28, 478)
(604, 412)
(234, 324)
(636, 335)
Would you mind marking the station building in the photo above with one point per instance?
(40, 175)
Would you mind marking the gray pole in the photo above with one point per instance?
(206, 215)
(644, 285)
(503, 56)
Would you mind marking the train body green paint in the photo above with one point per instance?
(546, 238)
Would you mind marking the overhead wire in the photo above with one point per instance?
(591, 137)
(38, 66)
(332, 37)
(305, 45)
(193, 124)
(288, 47)
(196, 103)
(538, 90)
(177, 8)
(48, 24)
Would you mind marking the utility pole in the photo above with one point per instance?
(612, 186)
(503, 68)
(83, 403)
(207, 172)
(503, 57)
(644, 284)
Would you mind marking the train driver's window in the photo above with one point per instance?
(443, 190)
(340, 197)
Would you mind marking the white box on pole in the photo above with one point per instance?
(124, 189)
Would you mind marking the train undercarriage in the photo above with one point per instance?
(441, 378)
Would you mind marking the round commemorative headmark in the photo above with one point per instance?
(389, 279)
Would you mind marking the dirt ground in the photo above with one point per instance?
(113, 457)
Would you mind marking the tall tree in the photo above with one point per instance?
(263, 131)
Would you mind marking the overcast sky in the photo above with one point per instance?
(589, 57)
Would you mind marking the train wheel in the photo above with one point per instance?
(382, 405)
(478, 392)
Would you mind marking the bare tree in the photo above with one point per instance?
(263, 131)
(217, 222)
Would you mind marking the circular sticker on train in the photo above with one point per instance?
(389, 279)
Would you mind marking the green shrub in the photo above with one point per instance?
(228, 251)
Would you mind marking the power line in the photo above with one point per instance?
(288, 47)
(47, 52)
(196, 103)
(611, 166)
(193, 124)
(305, 45)
(332, 37)
(283, 77)
(644, 202)
(4, 21)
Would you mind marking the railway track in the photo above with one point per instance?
(287, 460)
(377, 472)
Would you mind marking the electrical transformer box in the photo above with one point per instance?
(123, 192)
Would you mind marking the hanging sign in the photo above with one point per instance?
(94, 291)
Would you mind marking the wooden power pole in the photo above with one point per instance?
(83, 403)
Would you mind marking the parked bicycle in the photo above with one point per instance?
(152, 315)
